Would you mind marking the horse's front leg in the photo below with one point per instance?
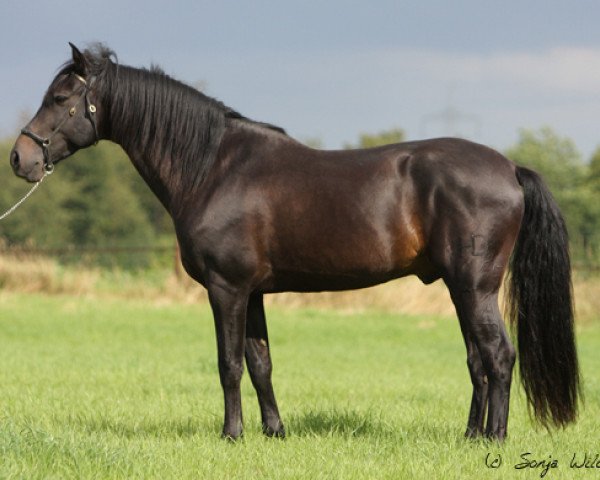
(229, 307)
(259, 364)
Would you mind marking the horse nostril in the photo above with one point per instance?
(14, 159)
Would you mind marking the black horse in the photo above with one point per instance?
(257, 212)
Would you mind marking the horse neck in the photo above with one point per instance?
(151, 173)
(151, 168)
(165, 173)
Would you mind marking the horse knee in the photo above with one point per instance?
(230, 373)
(262, 370)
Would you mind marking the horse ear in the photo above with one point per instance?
(79, 62)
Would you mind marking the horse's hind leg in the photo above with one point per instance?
(476, 301)
(479, 380)
(474, 268)
(258, 360)
(479, 399)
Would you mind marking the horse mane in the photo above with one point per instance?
(160, 117)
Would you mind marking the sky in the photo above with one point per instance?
(330, 70)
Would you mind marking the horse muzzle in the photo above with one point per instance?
(27, 161)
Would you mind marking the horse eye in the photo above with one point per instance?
(60, 99)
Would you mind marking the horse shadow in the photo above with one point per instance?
(318, 423)
(338, 423)
(313, 423)
(183, 427)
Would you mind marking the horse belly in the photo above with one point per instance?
(286, 281)
(342, 255)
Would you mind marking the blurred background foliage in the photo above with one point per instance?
(94, 201)
(96, 209)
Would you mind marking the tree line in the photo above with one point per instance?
(97, 199)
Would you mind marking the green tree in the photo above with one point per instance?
(556, 158)
(96, 198)
(386, 137)
(594, 172)
(593, 206)
(107, 212)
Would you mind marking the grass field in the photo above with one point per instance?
(129, 389)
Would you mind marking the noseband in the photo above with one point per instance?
(44, 143)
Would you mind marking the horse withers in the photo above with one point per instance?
(257, 212)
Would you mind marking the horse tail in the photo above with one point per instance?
(540, 306)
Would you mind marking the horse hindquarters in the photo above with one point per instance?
(472, 252)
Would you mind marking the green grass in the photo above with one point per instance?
(125, 389)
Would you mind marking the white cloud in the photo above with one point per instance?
(561, 69)
(566, 69)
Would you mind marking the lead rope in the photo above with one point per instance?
(27, 195)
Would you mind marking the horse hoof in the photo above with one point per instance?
(232, 437)
(497, 437)
(473, 434)
(278, 432)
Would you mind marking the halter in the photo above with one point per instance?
(44, 143)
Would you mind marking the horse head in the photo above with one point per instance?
(66, 121)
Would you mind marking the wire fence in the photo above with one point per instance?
(73, 252)
(79, 250)
(136, 257)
